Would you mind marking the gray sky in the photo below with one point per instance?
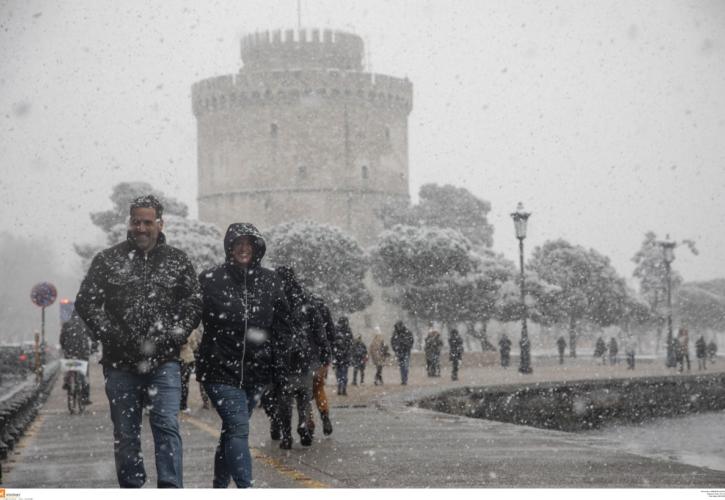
(602, 117)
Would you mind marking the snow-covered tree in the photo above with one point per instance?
(444, 207)
(589, 287)
(434, 274)
(327, 261)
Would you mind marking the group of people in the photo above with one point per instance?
(262, 337)
(703, 350)
(402, 342)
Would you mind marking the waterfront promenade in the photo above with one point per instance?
(378, 442)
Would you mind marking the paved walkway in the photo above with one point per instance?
(378, 441)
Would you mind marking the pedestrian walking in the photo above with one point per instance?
(320, 376)
(359, 360)
(433, 346)
(504, 345)
(711, 351)
(141, 300)
(247, 331)
(342, 353)
(307, 349)
(75, 342)
(600, 350)
(378, 354)
(630, 347)
(455, 346)
(402, 342)
(613, 351)
(683, 348)
(701, 353)
(561, 347)
(188, 362)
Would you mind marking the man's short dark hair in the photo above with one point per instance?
(148, 201)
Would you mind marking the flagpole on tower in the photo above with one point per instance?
(299, 14)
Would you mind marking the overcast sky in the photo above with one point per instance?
(607, 119)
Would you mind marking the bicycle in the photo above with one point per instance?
(74, 382)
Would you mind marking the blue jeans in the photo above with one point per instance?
(341, 375)
(404, 363)
(126, 392)
(232, 458)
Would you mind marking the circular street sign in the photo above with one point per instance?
(43, 294)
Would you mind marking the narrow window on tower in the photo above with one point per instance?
(387, 134)
(273, 129)
(302, 171)
(364, 171)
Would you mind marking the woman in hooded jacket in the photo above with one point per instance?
(247, 327)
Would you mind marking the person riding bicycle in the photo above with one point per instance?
(75, 342)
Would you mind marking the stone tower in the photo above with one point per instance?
(302, 132)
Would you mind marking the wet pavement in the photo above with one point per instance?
(378, 442)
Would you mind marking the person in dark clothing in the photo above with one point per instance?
(561, 347)
(600, 350)
(307, 348)
(342, 353)
(630, 349)
(504, 345)
(244, 348)
(402, 342)
(711, 351)
(75, 342)
(320, 376)
(141, 300)
(433, 346)
(701, 353)
(455, 344)
(683, 348)
(359, 360)
(613, 351)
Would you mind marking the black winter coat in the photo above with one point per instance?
(359, 354)
(140, 307)
(75, 340)
(307, 321)
(402, 340)
(328, 324)
(247, 320)
(455, 344)
(342, 348)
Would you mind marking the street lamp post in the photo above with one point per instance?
(668, 250)
(520, 219)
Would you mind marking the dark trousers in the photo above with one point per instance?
(378, 374)
(355, 370)
(454, 368)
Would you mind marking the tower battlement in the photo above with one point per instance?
(258, 88)
(296, 49)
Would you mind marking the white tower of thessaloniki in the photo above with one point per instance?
(302, 132)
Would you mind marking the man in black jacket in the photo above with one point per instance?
(141, 300)
(320, 376)
(247, 331)
(402, 342)
(307, 350)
